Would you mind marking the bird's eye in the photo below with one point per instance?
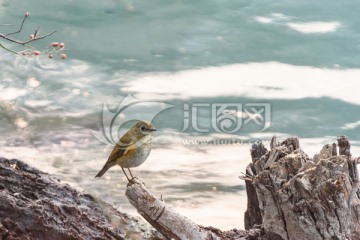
(142, 128)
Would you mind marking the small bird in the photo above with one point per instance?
(132, 149)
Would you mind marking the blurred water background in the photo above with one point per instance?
(300, 58)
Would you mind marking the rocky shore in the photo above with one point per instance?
(35, 205)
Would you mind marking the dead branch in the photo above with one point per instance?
(163, 217)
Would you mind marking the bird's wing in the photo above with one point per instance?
(123, 147)
(116, 153)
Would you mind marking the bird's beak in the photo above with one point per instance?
(152, 129)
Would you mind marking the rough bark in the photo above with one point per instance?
(252, 216)
(33, 205)
(304, 198)
(170, 223)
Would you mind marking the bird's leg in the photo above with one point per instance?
(126, 175)
(130, 173)
(132, 178)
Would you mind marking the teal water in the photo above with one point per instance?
(302, 59)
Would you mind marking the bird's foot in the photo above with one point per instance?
(133, 180)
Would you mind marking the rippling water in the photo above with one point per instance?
(299, 58)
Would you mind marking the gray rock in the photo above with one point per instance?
(35, 205)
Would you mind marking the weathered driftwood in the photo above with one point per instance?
(170, 223)
(162, 217)
(300, 197)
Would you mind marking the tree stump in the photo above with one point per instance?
(301, 197)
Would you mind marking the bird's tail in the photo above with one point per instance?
(105, 168)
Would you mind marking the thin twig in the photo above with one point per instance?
(36, 32)
(21, 26)
(247, 177)
(29, 49)
(8, 49)
(25, 42)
